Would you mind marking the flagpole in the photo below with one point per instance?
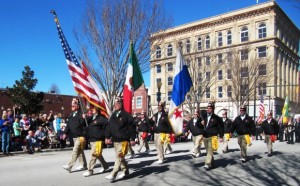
(82, 110)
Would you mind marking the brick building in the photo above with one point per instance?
(52, 101)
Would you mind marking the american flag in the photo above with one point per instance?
(261, 109)
(79, 75)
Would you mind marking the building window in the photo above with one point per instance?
(188, 46)
(207, 61)
(158, 52)
(170, 67)
(220, 91)
(169, 50)
(244, 55)
(229, 38)
(188, 63)
(220, 75)
(207, 42)
(207, 76)
(262, 31)
(229, 75)
(139, 102)
(169, 95)
(244, 72)
(158, 69)
(262, 88)
(207, 92)
(158, 80)
(220, 39)
(199, 61)
(229, 91)
(219, 58)
(170, 80)
(262, 70)
(229, 57)
(244, 34)
(262, 51)
(199, 77)
(199, 44)
(244, 89)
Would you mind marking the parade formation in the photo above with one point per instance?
(95, 126)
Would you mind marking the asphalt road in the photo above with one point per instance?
(180, 168)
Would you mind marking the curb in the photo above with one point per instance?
(42, 151)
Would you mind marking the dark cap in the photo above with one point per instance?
(243, 108)
(119, 100)
(162, 104)
(75, 101)
(270, 113)
(211, 105)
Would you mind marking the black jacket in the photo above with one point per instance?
(76, 125)
(214, 127)
(243, 127)
(270, 128)
(96, 128)
(227, 125)
(144, 125)
(121, 128)
(163, 125)
(196, 129)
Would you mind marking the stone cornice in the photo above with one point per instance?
(216, 20)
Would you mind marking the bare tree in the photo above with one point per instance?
(203, 68)
(54, 89)
(247, 74)
(105, 34)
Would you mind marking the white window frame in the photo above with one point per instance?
(220, 39)
(158, 52)
(207, 42)
(262, 31)
(244, 34)
(169, 50)
(262, 52)
(220, 92)
(139, 102)
(229, 37)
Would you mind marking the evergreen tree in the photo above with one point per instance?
(21, 94)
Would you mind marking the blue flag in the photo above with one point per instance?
(182, 85)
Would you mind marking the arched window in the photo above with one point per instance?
(229, 38)
(262, 31)
(207, 42)
(199, 44)
(188, 46)
(220, 39)
(169, 50)
(244, 34)
(158, 52)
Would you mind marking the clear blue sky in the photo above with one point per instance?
(29, 37)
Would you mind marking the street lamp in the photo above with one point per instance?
(159, 84)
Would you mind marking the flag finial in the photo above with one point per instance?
(55, 16)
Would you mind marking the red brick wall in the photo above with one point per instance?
(53, 102)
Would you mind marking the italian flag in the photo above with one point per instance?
(134, 80)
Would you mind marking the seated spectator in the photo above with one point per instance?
(41, 137)
(31, 142)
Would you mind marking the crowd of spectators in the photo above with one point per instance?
(30, 133)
